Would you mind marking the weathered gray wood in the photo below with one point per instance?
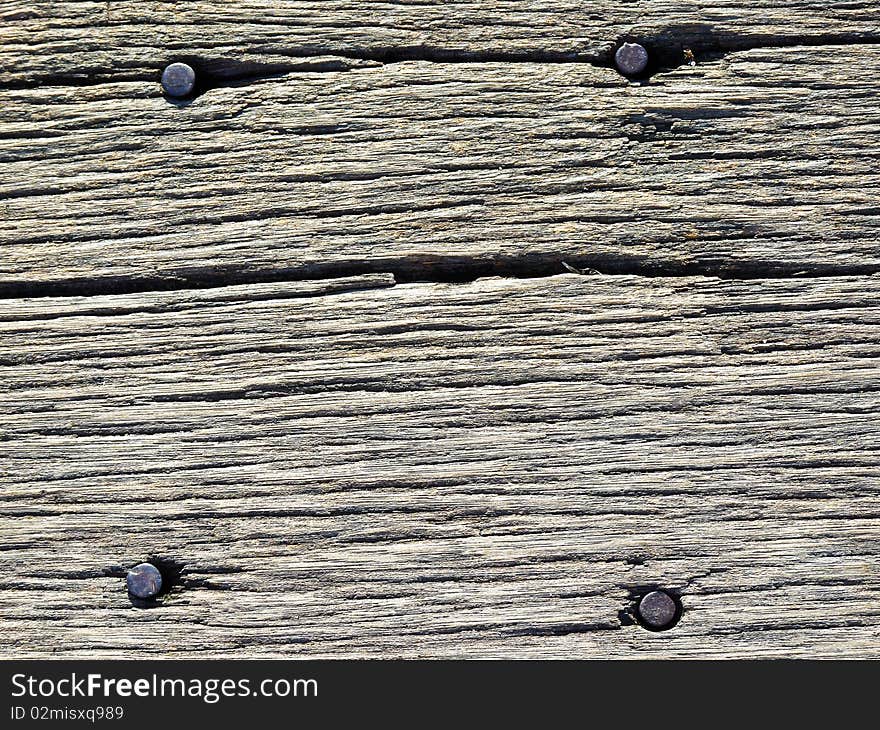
(765, 161)
(445, 470)
(346, 468)
(42, 42)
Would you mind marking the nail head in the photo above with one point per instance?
(631, 59)
(178, 80)
(144, 581)
(657, 609)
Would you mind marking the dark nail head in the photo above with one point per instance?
(178, 80)
(658, 610)
(144, 581)
(631, 59)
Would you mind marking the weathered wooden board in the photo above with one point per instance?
(763, 162)
(43, 42)
(489, 469)
(349, 467)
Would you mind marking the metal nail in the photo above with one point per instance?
(144, 581)
(178, 80)
(631, 59)
(658, 610)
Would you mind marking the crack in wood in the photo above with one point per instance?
(669, 48)
(440, 270)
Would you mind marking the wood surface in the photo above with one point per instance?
(250, 335)
(760, 163)
(487, 469)
(81, 41)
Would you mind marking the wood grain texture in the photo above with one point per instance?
(760, 163)
(490, 469)
(42, 42)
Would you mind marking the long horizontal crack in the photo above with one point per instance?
(669, 48)
(433, 269)
(666, 48)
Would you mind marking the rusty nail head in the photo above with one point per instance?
(144, 581)
(658, 610)
(178, 80)
(631, 59)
